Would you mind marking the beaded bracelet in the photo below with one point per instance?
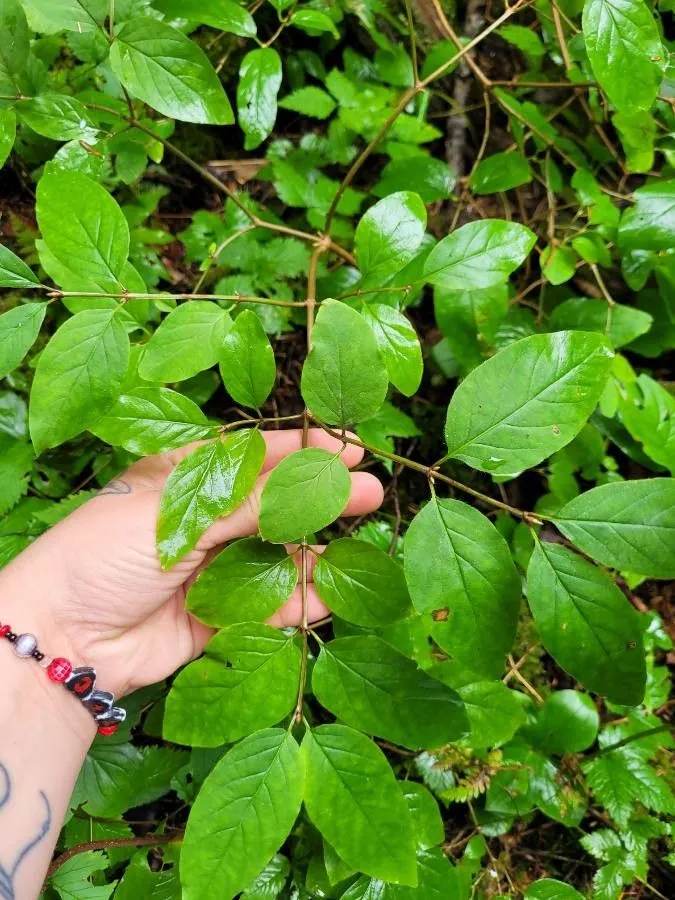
(80, 681)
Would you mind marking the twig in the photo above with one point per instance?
(149, 841)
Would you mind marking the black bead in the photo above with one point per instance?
(36, 654)
(11, 637)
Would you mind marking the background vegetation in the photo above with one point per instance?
(486, 193)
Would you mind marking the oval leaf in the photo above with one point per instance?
(259, 83)
(14, 273)
(19, 328)
(389, 235)
(247, 364)
(399, 346)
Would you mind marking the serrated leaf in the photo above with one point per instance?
(19, 328)
(247, 680)
(14, 273)
(361, 583)
(309, 101)
(78, 376)
(248, 581)
(306, 492)
(389, 235)
(586, 623)
(16, 462)
(246, 360)
(352, 797)
(259, 82)
(399, 346)
(71, 880)
(242, 815)
(478, 255)
(527, 401)
(209, 483)
(161, 66)
(344, 379)
(459, 567)
(628, 525)
(57, 116)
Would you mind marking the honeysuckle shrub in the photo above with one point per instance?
(445, 235)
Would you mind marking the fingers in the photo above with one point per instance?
(283, 443)
(291, 612)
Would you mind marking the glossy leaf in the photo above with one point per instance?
(344, 378)
(650, 223)
(430, 178)
(189, 340)
(551, 889)
(628, 525)
(469, 320)
(14, 273)
(78, 376)
(389, 235)
(535, 396)
(7, 133)
(361, 583)
(399, 346)
(57, 116)
(248, 581)
(149, 420)
(259, 83)
(19, 328)
(500, 172)
(568, 722)
(161, 66)
(458, 567)
(352, 797)
(478, 255)
(622, 324)
(304, 493)
(248, 679)
(71, 15)
(211, 482)
(367, 684)
(436, 880)
(242, 816)
(586, 623)
(246, 359)
(225, 15)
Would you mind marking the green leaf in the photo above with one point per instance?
(225, 15)
(313, 21)
(469, 320)
(306, 492)
(91, 253)
(650, 223)
(149, 420)
(352, 797)
(437, 879)
(209, 483)
(246, 359)
(558, 263)
(427, 821)
(259, 82)
(459, 567)
(271, 880)
(550, 889)
(14, 273)
(16, 464)
(367, 684)
(139, 880)
(399, 346)
(19, 328)
(248, 581)
(242, 815)
(622, 324)
(71, 880)
(527, 401)
(79, 375)
(568, 722)
(344, 379)
(625, 51)
(15, 48)
(527, 41)
(389, 235)
(57, 116)
(478, 255)
(247, 680)
(628, 525)
(309, 101)
(68, 15)
(649, 415)
(361, 583)
(500, 172)
(430, 178)
(161, 66)
(493, 710)
(189, 340)
(586, 623)
(7, 133)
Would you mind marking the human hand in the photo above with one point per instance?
(92, 588)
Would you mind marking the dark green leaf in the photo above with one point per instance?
(7, 133)
(247, 364)
(527, 401)
(568, 722)
(248, 581)
(242, 816)
(225, 15)
(259, 83)
(622, 324)
(459, 567)
(57, 116)
(304, 493)
(352, 797)
(389, 235)
(361, 583)
(344, 379)
(430, 178)
(19, 329)
(399, 346)
(14, 49)
(586, 623)
(247, 680)
(650, 223)
(313, 20)
(493, 710)
(161, 66)
(14, 273)
(628, 525)
(500, 172)
(648, 413)
(209, 483)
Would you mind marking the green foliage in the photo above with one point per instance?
(368, 263)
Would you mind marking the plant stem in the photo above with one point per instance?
(152, 840)
(649, 732)
(234, 298)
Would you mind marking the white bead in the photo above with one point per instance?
(25, 644)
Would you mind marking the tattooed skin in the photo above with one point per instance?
(8, 874)
(115, 487)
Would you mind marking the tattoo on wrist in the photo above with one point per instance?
(8, 874)
(117, 486)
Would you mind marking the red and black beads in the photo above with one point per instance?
(80, 681)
